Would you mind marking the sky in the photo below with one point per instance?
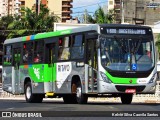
(91, 5)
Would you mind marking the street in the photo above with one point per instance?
(57, 105)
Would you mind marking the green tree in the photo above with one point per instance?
(100, 17)
(32, 23)
(4, 23)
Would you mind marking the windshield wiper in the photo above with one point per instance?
(120, 43)
(139, 43)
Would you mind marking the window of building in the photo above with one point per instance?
(22, 2)
(110, 2)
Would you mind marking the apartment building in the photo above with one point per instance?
(116, 6)
(136, 11)
(9, 7)
(60, 8)
(142, 11)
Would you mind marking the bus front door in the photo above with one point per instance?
(50, 55)
(16, 72)
(91, 67)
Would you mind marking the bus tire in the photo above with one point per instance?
(126, 98)
(81, 98)
(30, 97)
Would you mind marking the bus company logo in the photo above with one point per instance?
(36, 72)
(130, 81)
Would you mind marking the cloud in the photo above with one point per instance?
(79, 3)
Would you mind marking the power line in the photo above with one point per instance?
(89, 5)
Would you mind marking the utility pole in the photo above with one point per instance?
(136, 12)
(85, 16)
(37, 7)
(122, 4)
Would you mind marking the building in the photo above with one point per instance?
(9, 7)
(116, 6)
(144, 12)
(111, 4)
(60, 8)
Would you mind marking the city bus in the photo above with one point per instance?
(99, 60)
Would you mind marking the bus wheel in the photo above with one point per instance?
(30, 97)
(81, 98)
(126, 98)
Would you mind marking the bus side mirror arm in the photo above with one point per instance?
(97, 43)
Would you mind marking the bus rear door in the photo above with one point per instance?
(16, 71)
(50, 55)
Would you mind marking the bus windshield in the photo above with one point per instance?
(127, 53)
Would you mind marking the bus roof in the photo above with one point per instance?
(68, 31)
(51, 34)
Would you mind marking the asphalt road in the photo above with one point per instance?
(56, 108)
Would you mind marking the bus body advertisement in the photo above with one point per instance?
(108, 60)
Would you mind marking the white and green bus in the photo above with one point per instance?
(108, 60)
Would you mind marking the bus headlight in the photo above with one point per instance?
(105, 78)
(152, 79)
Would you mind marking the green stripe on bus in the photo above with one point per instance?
(49, 34)
(52, 34)
(118, 80)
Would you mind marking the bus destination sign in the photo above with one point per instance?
(126, 31)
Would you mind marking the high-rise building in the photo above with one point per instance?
(60, 8)
(142, 11)
(136, 11)
(9, 7)
(116, 6)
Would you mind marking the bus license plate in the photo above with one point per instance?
(130, 91)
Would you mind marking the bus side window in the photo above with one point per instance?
(28, 52)
(38, 51)
(77, 50)
(64, 48)
(8, 55)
